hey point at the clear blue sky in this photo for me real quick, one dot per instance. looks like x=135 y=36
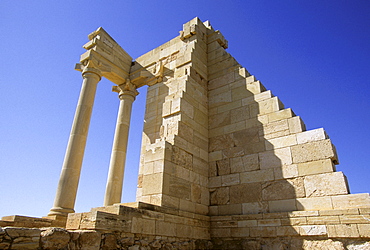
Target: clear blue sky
x=314 y=55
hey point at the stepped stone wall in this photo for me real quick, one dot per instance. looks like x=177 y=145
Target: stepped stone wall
x=224 y=165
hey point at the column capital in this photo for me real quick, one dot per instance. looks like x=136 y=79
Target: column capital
x=89 y=67
x=125 y=89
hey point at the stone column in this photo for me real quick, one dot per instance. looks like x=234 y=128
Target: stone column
x=67 y=188
x=127 y=93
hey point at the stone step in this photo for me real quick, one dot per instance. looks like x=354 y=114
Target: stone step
x=25 y=221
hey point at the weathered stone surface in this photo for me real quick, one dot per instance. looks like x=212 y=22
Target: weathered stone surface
x=255 y=207
x=315 y=230
x=313 y=151
x=90 y=239
x=223 y=167
x=245 y=193
x=263 y=175
x=325 y=184
x=323 y=244
x=351 y=201
x=315 y=167
x=244 y=163
x=220 y=196
x=314 y=203
x=283 y=189
x=54 y=238
x=275 y=158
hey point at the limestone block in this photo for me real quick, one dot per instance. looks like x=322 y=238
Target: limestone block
x=213 y=210
x=313 y=151
x=245 y=193
x=281 y=142
x=255 y=207
x=224 y=223
x=187 y=206
x=351 y=211
x=233 y=152
x=196 y=193
x=268 y=222
x=244 y=163
x=275 y=158
x=181 y=157
x=315 y=203
x=73 y=221
x=295 y=214
x=312 y=135
x=322 y=244
x=214 y=182
x=365 y=210
x=221 y=81
x=269 y=106
x=89 y=239
x=15 y=232
x=223 y=167
x=243 y=72
x=313 y=230
x=276 y=134
x=351 y=201
x=179 y=188
x=229 y=106
x=294 y=221
x=152 y=184
x=257 y=176
x=221 y=142
x=315 y=167
x=54 y=238
x=296 y=125
x=280 y=115
x=235 y=127
x=353 y=219
x=220 y=120
x=247 y=223
x=239 y=232
x=246 y=136
x=239 y=114
x=283 y=189
x=364 y=230
x=255 y=87
x=275 y=127
x=323 y=220
x=347 y=231
x=282 y=205
x=239 y=93
x=143 y=226
x=220 y=232
x=286 y=171
x=214 y=156
x=257 y=98
x=231 y=179
x=262 y=232
x=325 y=184
x=230 y=209
x=287 y=231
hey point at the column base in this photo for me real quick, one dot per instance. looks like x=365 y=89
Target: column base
x=59 y=211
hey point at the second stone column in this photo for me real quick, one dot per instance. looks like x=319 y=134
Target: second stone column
x=127 y=93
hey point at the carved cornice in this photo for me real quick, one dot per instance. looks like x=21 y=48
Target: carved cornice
x=106 y=56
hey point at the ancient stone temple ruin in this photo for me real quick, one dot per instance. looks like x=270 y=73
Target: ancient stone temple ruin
x=223 y=164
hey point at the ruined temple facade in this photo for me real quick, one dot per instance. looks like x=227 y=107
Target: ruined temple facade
x=223 y=164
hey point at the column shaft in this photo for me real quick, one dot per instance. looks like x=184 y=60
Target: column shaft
x=113 y=191
x=68 y=183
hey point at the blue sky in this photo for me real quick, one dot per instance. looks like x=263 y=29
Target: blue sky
x=313 y=55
